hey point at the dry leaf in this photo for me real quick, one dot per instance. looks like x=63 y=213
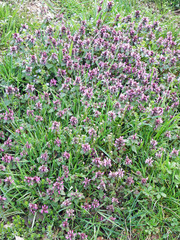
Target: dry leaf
x=8 y=225
x=19 y=238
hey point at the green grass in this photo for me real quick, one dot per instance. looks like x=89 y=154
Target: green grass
x=159 y=203
x=161 y=4
x=87 y=10
x=11 y=19
x=10 y=23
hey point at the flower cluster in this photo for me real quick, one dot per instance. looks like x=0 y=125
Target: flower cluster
x=90 y=128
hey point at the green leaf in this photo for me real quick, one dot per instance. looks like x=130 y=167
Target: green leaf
x=163 y=194
x=48 y=65
x=133 y=147
x=158 y=196
x=70 y=49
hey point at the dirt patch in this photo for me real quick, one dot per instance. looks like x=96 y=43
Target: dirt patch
x=38 y=9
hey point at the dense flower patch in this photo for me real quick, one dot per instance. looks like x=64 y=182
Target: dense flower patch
x=84 y=129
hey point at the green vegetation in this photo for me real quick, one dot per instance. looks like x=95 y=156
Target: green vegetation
x=90 y=121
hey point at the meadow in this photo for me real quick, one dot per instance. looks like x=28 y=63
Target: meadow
x=89 y=120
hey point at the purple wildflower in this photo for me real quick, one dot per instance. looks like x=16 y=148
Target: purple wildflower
x=66 y=203
x=119 y=143
x=57 y=142
x=55 y=126
x=30 y=88
x=149 y=161
x=174 y=153
x=144 y=181
x=33 y=208
x=70 y=235
x=128 y=161
x=65 y=224
x=86 y=147
x=2 y=168
x=53 y=82
x=109 y=6
x=130 y=181
x=7 y=158
x=95 y=203
x=9 y=115
x=82 y=236
x=70 y=212
x=73 y=121
x=43 y=169
x=86 y=182
x=44 y=209
x=66 y=155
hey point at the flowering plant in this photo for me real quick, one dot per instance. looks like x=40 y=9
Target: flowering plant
x=91 y=121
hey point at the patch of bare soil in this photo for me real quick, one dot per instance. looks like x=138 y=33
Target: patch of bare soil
x=34 y=8
x=38 y=9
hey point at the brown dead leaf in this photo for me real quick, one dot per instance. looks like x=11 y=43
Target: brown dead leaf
x=87 y=199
